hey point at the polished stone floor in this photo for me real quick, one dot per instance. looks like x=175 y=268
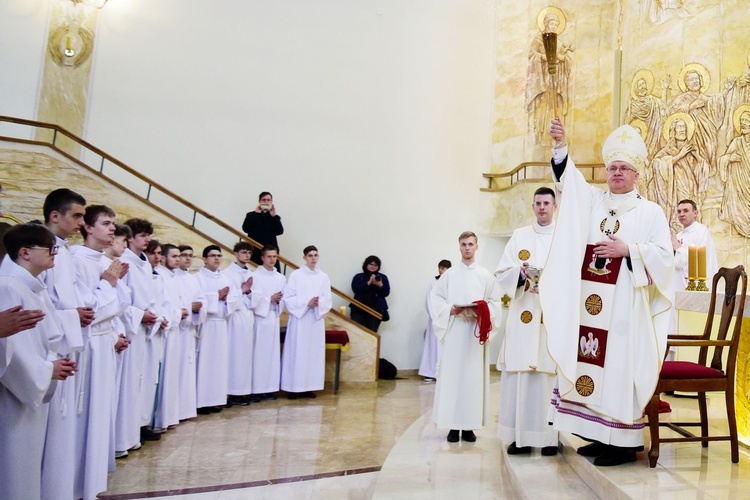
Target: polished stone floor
x=277 y=441
x=380 y=443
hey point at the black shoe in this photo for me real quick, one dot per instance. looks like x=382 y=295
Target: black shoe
x=309 y=394
x=215 y=409
x=241 y=400
x=468 y=436
x=204 y=410
x=594 y=449
x=615 y=456
x=148 y=435
x=293 y=395
x=271 y=396
x=515 y=450
x=255 y=398
x=453 y=436
x=549 y=451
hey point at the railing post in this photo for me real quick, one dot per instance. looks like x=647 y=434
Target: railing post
x=194 y=215
x=101 y=166
x=148 y=194
x=54 y=137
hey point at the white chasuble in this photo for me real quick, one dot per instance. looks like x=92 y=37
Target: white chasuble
x=606 y=402
x=528 y=370
x=462 y=390
x=304 y=356
x=524 y=347
x=267 y=345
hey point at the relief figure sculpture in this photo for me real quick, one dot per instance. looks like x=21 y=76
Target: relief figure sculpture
x=647 y=108
x=734 y=169
x=538 y=98
x=707 y=111
x=659 y=11
x=679 y=169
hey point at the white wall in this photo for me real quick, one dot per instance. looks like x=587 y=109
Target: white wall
x=367 y=119
x=23 y=28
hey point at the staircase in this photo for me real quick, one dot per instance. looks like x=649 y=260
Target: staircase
x=55 y=158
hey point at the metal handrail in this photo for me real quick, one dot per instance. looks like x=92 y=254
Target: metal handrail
x=151 y=185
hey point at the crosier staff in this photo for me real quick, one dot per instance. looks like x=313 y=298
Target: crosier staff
x=549 y=38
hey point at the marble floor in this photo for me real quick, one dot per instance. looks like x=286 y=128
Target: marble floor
x=380 y=443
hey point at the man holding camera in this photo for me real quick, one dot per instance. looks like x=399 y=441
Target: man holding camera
x=528 y=370
x=263 y=225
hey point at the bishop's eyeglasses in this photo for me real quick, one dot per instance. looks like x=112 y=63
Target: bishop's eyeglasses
x=622 y=170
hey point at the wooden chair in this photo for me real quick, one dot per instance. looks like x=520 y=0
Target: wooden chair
x=701 y=377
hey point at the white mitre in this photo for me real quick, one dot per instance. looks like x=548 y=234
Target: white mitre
x=625 y=144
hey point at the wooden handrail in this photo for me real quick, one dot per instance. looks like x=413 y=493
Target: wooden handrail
x=195 y=209
x=521 y=168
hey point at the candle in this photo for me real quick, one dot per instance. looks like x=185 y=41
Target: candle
x=692 y=262
x=342 y=310
x=68 y=43
x=702 y=263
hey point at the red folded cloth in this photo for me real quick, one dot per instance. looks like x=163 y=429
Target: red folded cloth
x=484 y=321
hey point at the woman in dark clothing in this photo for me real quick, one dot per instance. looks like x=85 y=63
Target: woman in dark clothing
x=370 y=287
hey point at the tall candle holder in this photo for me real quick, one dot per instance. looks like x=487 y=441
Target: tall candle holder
x=701 y=286
x=691 y=285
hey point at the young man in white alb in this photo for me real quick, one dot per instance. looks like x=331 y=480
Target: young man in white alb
x=529 y=373
x=268 y=289
x=307 y=297
x=465 y=293
x=97 y=280
x=27 y=383
x=213 y=344
x=240 y=325
x=189 y=332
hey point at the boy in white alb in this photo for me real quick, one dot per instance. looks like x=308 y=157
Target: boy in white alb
x=97 y=280
x=240 y=325
x=307 y=297
x=268 y=286
x=26 y=384
x=189 y=332
x=213 y=346
x=428 y=365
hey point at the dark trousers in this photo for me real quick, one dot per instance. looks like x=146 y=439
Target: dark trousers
x=365 y=319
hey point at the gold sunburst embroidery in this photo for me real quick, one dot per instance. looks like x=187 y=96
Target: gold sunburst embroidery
x=585 y=385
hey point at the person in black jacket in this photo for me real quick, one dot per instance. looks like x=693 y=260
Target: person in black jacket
x=263 y=225
x=370 y=287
